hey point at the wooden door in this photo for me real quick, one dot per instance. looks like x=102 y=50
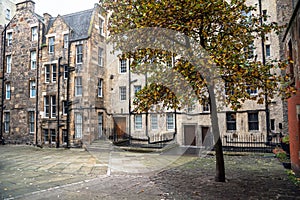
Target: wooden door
x=190 y=135
x=120 y=126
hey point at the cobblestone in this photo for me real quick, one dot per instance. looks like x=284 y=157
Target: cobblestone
x=33 y=173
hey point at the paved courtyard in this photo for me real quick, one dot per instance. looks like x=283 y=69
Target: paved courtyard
x=103 y=172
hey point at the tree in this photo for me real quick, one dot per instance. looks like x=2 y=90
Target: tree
x=225 y=30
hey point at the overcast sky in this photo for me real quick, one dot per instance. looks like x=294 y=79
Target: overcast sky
x=62 y=7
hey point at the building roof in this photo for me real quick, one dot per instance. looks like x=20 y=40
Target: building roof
x=78 y=22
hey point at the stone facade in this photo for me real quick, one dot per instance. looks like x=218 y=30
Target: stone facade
x=7 y=10
x=83 y=98
x=79 y=91
x=20 y=70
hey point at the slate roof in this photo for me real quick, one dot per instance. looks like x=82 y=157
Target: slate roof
x=79 y=23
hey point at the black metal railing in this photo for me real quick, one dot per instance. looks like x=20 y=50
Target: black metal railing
x=250 y=143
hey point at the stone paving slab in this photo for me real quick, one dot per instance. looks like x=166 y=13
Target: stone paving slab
x=33 y=173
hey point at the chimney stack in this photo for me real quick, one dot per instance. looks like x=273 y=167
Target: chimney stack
x=29 y=4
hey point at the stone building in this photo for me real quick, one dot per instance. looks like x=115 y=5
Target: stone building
x=22 y=44
x=191 y=125
x=63 y=87
x=292 y=47
x=75 y=40
x=7 y=10
x=54 y=74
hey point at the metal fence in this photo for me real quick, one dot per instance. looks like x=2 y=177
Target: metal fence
x=250 y=143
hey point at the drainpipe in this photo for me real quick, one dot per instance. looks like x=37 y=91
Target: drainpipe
x=58 y=102
x=264 y=63
x=129 y=101
x=68 y=94
x=2 y=90
x=37 y=86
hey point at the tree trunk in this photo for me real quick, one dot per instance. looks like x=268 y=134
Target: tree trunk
x=220 y=167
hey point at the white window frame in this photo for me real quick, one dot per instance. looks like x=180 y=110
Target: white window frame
x=79 y=54
x=66 y=72
x=9 y=38
x=7 y=91
x=47 y=73
x=51 y=41
x=100 y=87
x=138 y=122
x=78 y=125
x=66 y=41
x=7 y=122
x=46 y=106
x=53 y=106
x=154 y=121
x=8 y=14
x=101 y=26
x=170 y=121
x=123 y=93
x=8 y=64
x=32 y=88
x=53 y=136
x=78 y=86
x=34 y=33
x=31 y=121
x=54 y=73
x=33 y=59
x=123 y=66
x=100 y=56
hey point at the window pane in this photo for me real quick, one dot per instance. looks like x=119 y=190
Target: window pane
x=6 y=121
x=253 y=121
x=154 y=122
x=31 y=121
x=46 y=106
x=54 y=73
x=34 y=33
x=47 y=73
x=51 y=44
x=8 y=64
x=100 y=57
x=170 y=122
x=7 y=89
x=32 y=89
x=66 y=41
x=53 y=106
x=79 y=54
x=33 y=59
x=122 y=93
x=138 y=122
x=100 y=83
x=78 y=86
x=78 y=125
x=231 y=120
x=123 y=66
x=100 y=125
